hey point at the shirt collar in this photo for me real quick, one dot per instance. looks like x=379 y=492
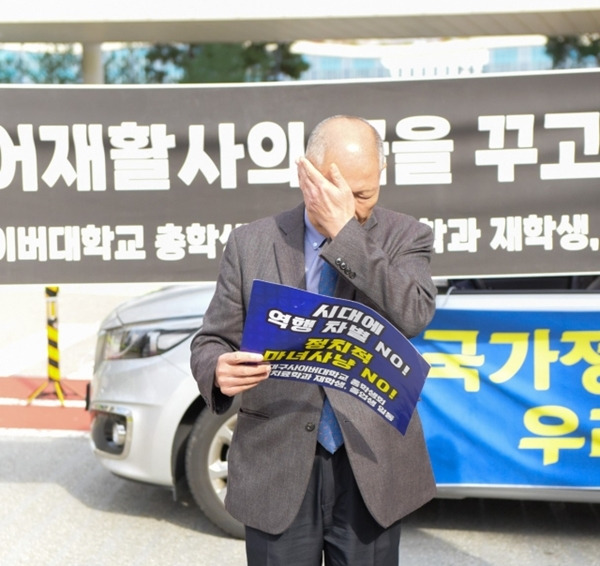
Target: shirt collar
x=312 y=236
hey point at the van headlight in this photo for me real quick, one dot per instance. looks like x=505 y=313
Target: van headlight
x=143 y=341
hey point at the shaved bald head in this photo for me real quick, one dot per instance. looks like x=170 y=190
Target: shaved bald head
x=344 y=134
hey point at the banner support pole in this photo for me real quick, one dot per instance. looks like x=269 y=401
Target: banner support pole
x=53 y=352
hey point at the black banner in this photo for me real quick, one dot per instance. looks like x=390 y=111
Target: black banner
x=135 y=184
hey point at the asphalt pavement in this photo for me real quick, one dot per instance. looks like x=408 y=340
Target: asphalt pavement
x=59 y=506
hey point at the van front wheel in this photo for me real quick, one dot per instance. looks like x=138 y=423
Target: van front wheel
x=206 y=466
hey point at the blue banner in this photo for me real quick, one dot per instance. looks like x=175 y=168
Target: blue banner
x=513 y=398
x=335 y=343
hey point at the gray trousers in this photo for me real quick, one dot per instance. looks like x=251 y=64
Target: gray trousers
x=332 y=527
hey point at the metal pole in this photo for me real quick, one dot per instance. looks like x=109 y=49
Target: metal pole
x=53 y=351
x=91 y=63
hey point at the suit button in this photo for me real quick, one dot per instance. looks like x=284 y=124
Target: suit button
x=310 y=427
x=338 y=261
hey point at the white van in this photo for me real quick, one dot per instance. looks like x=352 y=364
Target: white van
x=510 y=407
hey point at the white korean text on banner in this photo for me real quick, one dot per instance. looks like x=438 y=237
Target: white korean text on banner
x=124 y=184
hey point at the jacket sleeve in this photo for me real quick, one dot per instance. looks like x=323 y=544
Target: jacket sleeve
x=389 y=266
x=221 y=328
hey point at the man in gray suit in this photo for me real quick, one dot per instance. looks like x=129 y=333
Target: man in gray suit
x=299 y=500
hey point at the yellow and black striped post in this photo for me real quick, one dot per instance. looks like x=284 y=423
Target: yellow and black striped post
x=53 y=351
x=52 y=329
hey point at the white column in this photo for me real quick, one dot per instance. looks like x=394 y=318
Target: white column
x=91 y=63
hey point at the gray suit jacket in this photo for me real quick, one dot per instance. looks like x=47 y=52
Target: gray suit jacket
x=383 y=264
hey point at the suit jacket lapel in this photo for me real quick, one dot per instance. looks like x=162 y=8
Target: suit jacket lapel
x=289 y=247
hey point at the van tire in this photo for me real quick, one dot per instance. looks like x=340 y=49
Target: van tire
x=206 y=467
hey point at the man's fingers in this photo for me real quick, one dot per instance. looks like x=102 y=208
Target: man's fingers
x=242 y=364
x=310 y=174
x=232 y=385
x=252 y=370
x=239 y=371
x=328 y=198
x=337 y=177
x=240 y=357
